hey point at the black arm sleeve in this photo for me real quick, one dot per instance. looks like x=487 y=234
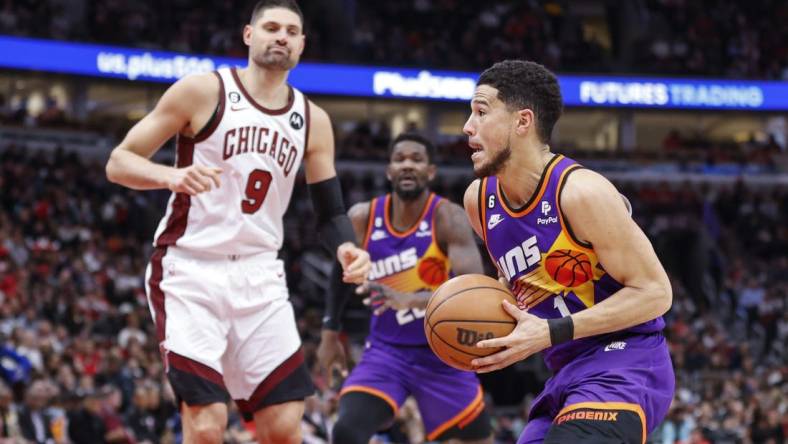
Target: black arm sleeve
x=333 y=224
x=338 y=294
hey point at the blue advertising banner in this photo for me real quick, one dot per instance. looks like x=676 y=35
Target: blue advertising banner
x=136 y=64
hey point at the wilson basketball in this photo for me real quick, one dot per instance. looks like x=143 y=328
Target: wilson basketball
x=463 y=311
x=432 y=271
x=569 y=268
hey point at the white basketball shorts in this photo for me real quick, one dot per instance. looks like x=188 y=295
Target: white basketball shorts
x=225 y=326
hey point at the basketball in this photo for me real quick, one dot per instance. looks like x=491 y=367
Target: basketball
x=463 y=311
x=432 y=271
x=569 y=268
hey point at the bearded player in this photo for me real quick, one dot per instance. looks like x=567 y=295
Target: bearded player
x=416 y=240
x=590 y=290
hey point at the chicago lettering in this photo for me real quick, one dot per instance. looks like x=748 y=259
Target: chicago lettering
x=262 y=141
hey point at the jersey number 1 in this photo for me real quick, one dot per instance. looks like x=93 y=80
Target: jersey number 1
x=256 y=190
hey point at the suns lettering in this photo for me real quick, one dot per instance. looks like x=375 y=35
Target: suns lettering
x=260 y=140
x=395 y=263
x=519 y=258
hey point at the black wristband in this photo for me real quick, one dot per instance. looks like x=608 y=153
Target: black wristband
x=336 y=232
x=561 y=330
x=334 y=226
x=336 y=298
x=332 y=324
x=331 y=320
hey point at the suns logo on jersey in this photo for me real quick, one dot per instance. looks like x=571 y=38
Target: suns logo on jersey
x=562 y=270
x=395 y=263
x=519 y=258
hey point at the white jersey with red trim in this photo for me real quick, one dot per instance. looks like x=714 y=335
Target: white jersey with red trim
x=259 y=151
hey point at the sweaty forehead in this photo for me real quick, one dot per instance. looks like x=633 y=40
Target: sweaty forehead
x=485 y=94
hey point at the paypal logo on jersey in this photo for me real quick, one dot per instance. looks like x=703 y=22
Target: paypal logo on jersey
x=546 y=208
x=424 y=229
x=394 y=264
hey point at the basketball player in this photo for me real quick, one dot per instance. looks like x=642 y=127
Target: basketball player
x=417 y=240
x=590 y=290
x=215 y=286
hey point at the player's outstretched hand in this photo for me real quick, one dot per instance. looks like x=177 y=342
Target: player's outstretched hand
x=382 y=297
x=194 y=179
x=531 y=335
x=355 y=263
x=331 y=356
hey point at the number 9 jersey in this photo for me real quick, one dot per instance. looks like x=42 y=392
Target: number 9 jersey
x=259 y=151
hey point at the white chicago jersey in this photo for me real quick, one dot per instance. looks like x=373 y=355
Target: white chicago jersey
x=259 y=151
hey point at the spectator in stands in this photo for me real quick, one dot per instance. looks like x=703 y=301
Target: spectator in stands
x=14 y=368
x=140 y=419
x=34 y=422
x=10 y=431
x=110 y=413
x=85 y=425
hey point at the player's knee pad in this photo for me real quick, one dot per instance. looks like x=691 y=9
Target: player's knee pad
x=597 y=426
x=346 y=432
x=360 y=416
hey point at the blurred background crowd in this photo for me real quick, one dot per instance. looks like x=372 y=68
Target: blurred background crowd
x=78 y=358
x=728 y=38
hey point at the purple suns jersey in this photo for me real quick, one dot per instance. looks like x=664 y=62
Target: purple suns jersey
x=551 y=273
x=408 y=261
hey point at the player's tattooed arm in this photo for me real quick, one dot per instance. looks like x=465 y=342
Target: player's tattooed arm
x=185 y=108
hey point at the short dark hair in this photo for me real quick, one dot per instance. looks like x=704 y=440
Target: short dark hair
x=262 y=5
x=523 y=84
x=414 y=137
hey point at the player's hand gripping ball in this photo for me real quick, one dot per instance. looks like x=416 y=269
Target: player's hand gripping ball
x=463 y=311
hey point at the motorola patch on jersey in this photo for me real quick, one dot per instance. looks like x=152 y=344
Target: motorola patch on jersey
x=296 y=120
x=234 y=97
